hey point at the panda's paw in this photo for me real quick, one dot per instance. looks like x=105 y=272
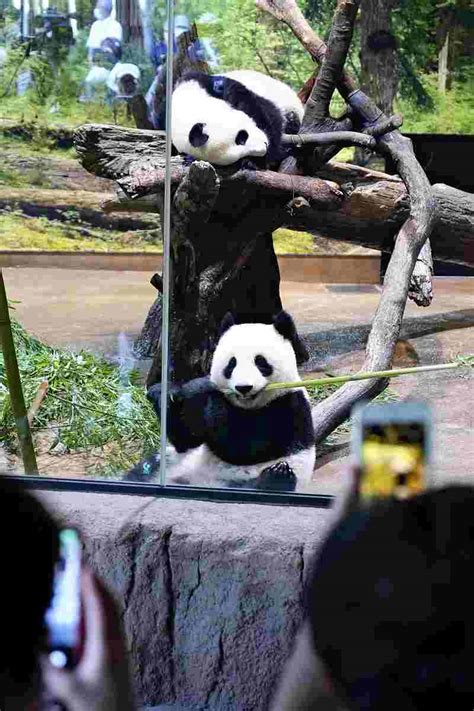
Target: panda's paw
x=277 y=477
x=154 y=393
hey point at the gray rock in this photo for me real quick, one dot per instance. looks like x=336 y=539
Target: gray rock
x=211 y=593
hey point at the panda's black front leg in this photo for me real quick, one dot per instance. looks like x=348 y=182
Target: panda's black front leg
x=277 y=477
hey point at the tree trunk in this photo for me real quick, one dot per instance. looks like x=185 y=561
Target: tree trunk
x=203 y=289
x=378 y=53
x=378 y=59
x=443 y=65
x=446 y=22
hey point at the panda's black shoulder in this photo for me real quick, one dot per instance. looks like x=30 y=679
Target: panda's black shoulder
x=204 y=80
x=263 y=111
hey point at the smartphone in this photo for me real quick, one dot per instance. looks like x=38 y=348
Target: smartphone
x=63 y=617
x=392 y=445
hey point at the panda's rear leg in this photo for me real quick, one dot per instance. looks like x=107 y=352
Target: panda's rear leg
x=277 y=477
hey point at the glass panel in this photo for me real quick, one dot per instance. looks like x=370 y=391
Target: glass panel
x=77 y=277
x=245 y=240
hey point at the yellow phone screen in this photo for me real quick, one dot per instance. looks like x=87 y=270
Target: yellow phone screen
x=393 y=460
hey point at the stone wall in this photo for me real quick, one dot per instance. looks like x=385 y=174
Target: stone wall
x=211 y=593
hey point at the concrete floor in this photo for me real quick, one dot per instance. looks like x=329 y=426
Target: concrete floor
x=89 y=309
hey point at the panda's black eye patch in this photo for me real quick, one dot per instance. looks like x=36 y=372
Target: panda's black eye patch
x=229 y=368
x=197 y=137
x=241 y=138
x=263 y=365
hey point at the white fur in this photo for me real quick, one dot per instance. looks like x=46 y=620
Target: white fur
x=272 y=89
x=192 y=104
x=247 y=341
x=200 y=467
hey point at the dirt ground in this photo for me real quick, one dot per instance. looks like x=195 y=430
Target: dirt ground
x=89 y=309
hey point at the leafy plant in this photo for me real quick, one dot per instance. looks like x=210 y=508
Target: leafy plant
x=92 y=403
x=450 y=113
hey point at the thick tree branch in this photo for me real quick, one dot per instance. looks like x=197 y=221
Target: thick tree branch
x=385 y=125
x=332 y=66
x=346 y=138
x=287 y=11
x=321 y=194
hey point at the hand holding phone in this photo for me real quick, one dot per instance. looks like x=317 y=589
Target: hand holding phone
x=63 y=618
x=392 y=445
x=100 y=680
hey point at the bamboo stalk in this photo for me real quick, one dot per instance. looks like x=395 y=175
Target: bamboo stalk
x=14 y=385
x=339 y=379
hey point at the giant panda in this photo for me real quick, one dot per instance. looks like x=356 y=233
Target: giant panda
x=226 y=429
x=239 y=115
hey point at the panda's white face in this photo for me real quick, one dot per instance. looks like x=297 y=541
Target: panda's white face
x=210 y=129
x=247 y=358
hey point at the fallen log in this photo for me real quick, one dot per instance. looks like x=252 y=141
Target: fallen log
x=60 y=135
x=71 y=206
x=368 y=207
x=370 y=215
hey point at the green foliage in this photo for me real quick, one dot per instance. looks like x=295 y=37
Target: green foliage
x=91 y=402
x=247 y=38
x=53 y=97
x=291 y=242
x=450 y=113
x=22 y=233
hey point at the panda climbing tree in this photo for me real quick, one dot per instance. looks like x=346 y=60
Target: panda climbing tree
x=266 y=166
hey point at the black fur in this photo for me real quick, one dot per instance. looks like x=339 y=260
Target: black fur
x=278 y=477
x=197 y=137
x=229 y=369
x=263 y=365
x=199 y=413
x=263 y=112
x=227 y=322
x=285 y=325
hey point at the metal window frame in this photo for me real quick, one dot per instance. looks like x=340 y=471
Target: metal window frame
x=196 y=493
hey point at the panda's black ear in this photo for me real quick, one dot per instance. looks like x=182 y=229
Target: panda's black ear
x=226 y=323
x=285 y=326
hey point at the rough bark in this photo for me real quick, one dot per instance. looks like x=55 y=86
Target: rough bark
x=373 y=209
x=204 y=289
x=372 y=214
x=378 y=53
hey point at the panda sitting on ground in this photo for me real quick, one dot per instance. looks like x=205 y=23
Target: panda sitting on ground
x=239 y=115
x=226 y=429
